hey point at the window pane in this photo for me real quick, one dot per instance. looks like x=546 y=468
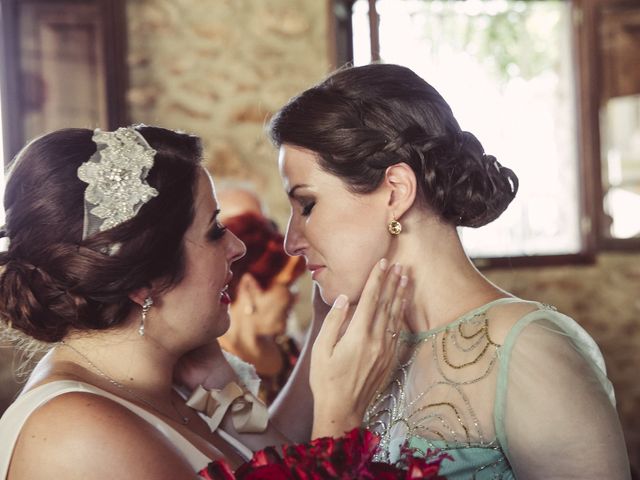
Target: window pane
x=620 y=131
x=505 y=67
x=360 y=25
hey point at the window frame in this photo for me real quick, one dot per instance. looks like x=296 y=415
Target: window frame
x=586 y=25
x=114 y=29
x=12 y=133
x=587 y=67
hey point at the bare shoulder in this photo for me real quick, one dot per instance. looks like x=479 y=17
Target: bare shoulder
x=81 y=435
x=502 y=318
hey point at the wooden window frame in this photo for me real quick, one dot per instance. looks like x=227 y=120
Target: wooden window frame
x=587 y=15
x=113 y=27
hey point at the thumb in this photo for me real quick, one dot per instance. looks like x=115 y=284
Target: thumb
x=332 y=325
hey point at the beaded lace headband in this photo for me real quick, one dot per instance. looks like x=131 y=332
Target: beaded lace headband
x=116 y=177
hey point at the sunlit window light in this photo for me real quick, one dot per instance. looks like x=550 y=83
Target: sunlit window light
x=506 y=69
x=620 y=130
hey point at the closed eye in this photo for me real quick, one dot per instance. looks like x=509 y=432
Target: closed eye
x=216 y=232
x=306 y=208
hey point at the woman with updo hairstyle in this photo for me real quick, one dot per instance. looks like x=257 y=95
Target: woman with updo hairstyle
x=62 y=282
x=261 y=302
x=119 y=267
x=375 y=164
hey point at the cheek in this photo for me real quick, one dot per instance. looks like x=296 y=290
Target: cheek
x=212 y=268
x=353 y=256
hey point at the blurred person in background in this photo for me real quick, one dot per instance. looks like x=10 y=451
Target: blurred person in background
x=261 y=291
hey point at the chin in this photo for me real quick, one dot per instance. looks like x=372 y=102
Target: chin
x=329 y=295
x=221 y=324
x=279 y=330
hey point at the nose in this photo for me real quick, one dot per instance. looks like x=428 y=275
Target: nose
x=294 y=242
x=237 y=248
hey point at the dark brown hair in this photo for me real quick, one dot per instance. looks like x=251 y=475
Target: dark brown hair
x=52 y=280
x=361 y=120
x=265 y=258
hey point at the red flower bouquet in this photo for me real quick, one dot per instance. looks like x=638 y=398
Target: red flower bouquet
x=348 y=457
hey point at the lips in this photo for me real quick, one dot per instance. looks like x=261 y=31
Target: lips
x=315 y=270
x=225 y=299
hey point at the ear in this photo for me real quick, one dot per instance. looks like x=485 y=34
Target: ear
x=401 y=182
x=138 y=296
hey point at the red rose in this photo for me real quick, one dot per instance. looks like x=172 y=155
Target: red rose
x=346 y=458
x=217 y=471
x=384 y=471
x=266 y=472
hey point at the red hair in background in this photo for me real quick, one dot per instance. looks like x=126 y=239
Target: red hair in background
x=266 y=259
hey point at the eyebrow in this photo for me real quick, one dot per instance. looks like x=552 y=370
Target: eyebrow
x=291 y=193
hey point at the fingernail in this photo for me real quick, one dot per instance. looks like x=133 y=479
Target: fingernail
x=397 y=268
x=383 y=264
x=341 y=301
x=404 y=281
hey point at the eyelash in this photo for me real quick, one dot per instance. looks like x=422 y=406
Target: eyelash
x=306 y=208
x=217 y=232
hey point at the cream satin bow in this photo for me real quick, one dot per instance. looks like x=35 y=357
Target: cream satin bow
x=249 y=414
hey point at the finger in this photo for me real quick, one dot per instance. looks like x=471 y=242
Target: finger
x=399 y=303
x=364 y=314
x=332 y=325
x=388 y=294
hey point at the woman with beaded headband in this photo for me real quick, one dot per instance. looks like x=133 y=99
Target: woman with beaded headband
x=375 y=164
x=117 y=260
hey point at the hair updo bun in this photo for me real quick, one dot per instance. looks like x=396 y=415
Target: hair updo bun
x=35 y=303
x=468 y=187
x=53 y=281
x=362 y=120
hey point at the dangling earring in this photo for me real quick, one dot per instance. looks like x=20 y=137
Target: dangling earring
x=395 y=227
x=146 y=306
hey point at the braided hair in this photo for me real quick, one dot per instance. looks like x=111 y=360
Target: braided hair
x=362 y=120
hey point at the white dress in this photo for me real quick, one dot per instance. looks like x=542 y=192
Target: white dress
x=17 y=414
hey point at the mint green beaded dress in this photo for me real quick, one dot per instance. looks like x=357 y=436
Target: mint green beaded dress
x=506 y=397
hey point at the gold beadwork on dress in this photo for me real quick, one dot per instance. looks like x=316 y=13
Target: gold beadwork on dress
x=442 y=400
x=482 y=334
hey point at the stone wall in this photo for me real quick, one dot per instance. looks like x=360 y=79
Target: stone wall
x=220 y=68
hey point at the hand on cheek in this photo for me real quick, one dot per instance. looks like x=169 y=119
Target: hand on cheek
x=351 y=359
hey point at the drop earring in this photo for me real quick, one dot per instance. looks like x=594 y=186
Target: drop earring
x=146 y=306
x=394 y=227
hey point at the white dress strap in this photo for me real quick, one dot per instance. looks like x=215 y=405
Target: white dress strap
x=17 y=414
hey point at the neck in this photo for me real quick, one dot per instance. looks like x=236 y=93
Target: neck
x=137 y=363
x=445 y=284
